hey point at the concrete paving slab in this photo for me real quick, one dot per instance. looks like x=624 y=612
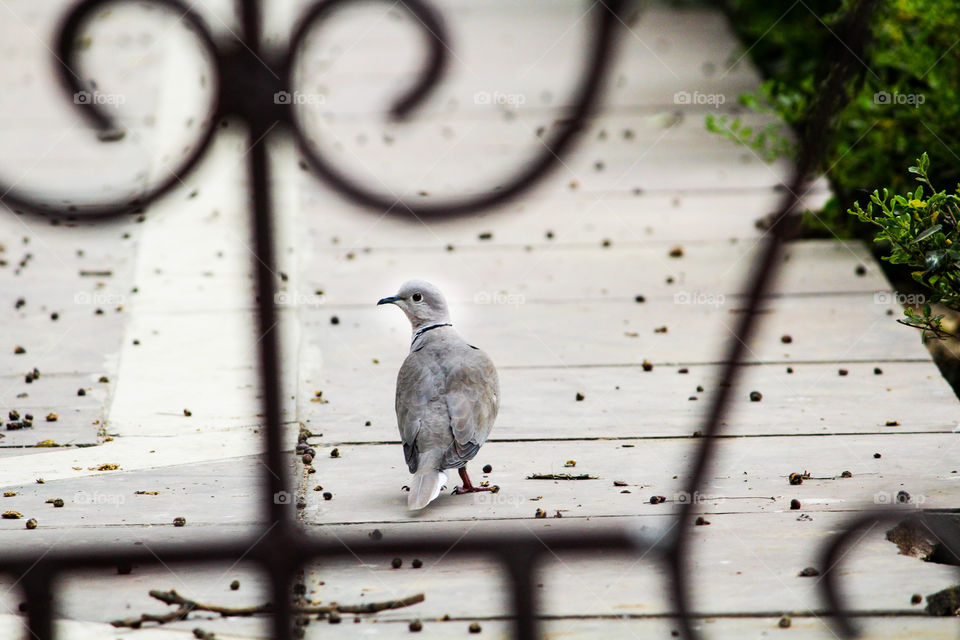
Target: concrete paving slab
x=618 y=401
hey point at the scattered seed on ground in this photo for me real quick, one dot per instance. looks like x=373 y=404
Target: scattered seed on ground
x=235 y=585
x=31 y=523
x=417 y=563
x=416 y=625
x=794 y=504
x=784 y=622
x=809 y=572
x=756 y=396
x=179 y=521
x=487 y=468
x=580 y=397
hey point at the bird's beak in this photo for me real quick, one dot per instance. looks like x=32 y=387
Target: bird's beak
x=389 y=300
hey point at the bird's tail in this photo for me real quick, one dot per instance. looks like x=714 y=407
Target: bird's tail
x=425 y=487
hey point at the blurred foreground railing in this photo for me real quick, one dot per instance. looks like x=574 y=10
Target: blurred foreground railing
x=248 y=76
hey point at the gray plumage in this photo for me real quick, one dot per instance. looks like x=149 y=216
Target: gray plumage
x=448 y=393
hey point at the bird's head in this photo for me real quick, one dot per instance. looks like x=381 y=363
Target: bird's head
x=422 y=302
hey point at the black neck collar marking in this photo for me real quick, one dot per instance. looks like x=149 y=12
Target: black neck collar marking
x=425 y=329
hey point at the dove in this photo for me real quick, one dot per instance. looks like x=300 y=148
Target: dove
x=448 y=395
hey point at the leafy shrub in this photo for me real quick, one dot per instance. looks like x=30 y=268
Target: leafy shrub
x=923 y=234
x=903 y=102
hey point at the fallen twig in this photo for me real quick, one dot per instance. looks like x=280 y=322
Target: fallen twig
x=185 y=606
x=560 y=476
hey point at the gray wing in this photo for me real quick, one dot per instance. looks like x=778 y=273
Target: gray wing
x=472 y=397
x=420 y=407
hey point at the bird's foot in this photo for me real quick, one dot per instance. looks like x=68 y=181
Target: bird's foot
x=473 y=489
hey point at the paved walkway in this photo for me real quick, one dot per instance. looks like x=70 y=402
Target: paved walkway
x=548 y=287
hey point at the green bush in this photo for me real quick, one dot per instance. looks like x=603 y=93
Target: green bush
x=904 y=102
x=923 y=234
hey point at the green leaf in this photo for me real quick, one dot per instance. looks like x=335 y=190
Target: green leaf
x=927 y=233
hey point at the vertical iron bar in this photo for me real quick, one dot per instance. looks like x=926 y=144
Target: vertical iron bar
x=36 y=587
x=264 y=262
x=521 y=568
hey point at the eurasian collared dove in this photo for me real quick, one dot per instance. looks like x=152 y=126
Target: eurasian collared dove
x=448 y=395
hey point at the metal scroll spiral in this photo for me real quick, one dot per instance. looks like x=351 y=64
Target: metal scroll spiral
x=247 y=75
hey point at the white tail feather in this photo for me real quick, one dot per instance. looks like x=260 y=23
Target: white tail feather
x=425 y=487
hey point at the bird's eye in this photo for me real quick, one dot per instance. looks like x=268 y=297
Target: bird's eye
x=416 y=297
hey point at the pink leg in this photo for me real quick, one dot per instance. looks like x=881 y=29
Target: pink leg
x=468 y=486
